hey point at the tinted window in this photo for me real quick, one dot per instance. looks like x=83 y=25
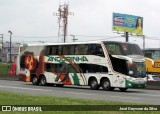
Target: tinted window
x=49 y=67
x=96 y=49
x=92 y=68
x=118 y=48
x=76 y=50
x=65 y=50
x=51 y=50
x=82 y=49
x=131 y=49
x=71 y=49
x=114 y=48
x=60 y=48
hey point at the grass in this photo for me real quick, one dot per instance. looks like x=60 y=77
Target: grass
x=8 y=98
x=4 y=68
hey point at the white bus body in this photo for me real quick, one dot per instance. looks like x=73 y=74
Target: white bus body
x=86 y=63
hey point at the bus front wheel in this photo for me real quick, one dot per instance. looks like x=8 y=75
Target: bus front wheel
x=106 y=85
x=94 y=84
x=35 y=80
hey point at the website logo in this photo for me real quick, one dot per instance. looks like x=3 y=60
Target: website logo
x=6 y=108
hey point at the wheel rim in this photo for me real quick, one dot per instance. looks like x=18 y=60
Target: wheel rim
x=106 y=84
x=93 y=84
x=43 y=81
x=34 y=80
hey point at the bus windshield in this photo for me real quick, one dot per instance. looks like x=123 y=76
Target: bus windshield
x=137 y=69
x=117 y=48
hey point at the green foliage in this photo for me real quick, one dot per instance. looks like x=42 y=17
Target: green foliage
x=4 y=68
x=8 y=98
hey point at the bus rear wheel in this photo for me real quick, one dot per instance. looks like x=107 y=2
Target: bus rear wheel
x=35 y=80
x=106 y=85
x=43 y=81
x=94 y=84
x=123 y=89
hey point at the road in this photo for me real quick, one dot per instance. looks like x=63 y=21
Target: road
x=141 y=96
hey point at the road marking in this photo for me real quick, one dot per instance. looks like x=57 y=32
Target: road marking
x=125 y=97
x=13 y=87
x=80 y=93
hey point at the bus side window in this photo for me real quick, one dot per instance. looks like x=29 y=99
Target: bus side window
x=83 y=49
x=60 y=48
x=92 y=68
x=51 y=50
x=71 y=49
x=100 y=51
x=83 y=68
x=49 y=67
x=65 y=50
x=96 y=49
x=76 y=50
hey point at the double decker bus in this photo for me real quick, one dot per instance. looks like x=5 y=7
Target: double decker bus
x=105 y=64
x=154 y=54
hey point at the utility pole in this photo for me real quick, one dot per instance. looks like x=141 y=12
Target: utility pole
x=143 y=42
x=63 y=21
x=1 y=40
x=127 y=37
x=74 y=39
x=10 y=45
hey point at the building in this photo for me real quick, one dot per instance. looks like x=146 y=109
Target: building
x=5 y=52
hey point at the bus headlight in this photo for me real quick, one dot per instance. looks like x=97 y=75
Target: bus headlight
x=130 y=84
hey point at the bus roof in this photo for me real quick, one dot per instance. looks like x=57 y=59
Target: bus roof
x=90 y=42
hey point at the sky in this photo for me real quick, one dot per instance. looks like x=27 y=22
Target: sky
x=35 y=20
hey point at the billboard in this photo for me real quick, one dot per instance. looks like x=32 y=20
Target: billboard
x=127 y=23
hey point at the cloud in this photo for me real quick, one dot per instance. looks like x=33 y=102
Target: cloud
x=91 y=17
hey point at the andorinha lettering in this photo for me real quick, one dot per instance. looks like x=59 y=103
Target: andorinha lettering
x=74 y=59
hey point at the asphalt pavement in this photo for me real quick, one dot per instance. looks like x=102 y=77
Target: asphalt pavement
x=142 y=96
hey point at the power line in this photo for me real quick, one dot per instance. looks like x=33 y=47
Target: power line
x=33 y=36
x=103 y=39
x=95 y=36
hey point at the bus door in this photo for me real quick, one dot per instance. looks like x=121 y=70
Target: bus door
x=121 y=68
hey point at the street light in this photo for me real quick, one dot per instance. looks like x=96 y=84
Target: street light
x=74 y=39
x=10 y=45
